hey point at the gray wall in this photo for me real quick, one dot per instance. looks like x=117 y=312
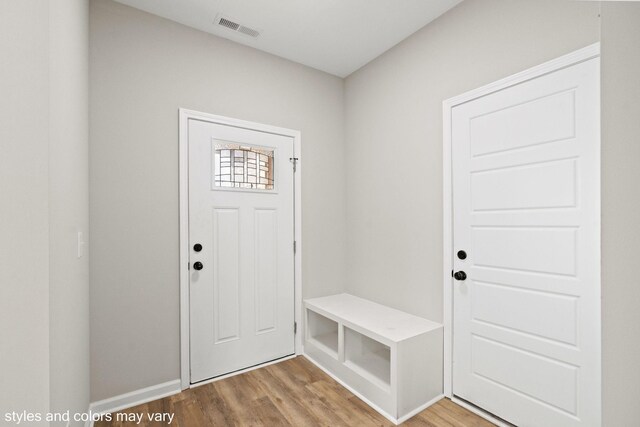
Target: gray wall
x=142 y=69
x=620 y=212
x=24 y=206
x=44 y=187
x=69 y=205
x=394 y=129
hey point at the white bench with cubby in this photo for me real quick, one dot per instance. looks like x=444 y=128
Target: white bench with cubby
x=392 y=360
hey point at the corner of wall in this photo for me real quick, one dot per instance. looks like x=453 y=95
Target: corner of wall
x=69 y=204
x=620 y=38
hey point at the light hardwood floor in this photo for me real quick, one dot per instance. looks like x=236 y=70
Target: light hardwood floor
x=290 y=393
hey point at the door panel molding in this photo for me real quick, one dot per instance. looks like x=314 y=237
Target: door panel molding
x=560 y=201
x=184 y=116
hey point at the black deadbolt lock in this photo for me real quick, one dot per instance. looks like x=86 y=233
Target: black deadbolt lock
x=197 y=247
x=462 y=255
x=197 y=266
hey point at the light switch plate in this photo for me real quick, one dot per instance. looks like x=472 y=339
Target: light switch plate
x=80 y=244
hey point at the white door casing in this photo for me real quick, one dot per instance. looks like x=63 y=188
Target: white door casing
x=241 y=303
x=525 y=176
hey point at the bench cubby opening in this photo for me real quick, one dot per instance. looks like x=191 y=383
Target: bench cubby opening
x=368 y=357
x=323 y=332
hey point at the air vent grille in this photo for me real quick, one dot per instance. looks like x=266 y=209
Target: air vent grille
x=232 y=25
x=248 y=31
x=229 y=24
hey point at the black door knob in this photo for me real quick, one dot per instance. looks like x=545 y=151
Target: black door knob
x=462 y=255
x=460 y=275
x=198 y=266
x=197 y=247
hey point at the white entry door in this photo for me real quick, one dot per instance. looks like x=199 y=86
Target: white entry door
x=241 y=232
x=526 y=201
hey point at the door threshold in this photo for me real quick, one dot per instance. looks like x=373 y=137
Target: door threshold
x=242 y=371
x=481 y=412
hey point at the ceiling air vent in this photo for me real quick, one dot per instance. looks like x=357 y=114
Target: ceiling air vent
x=229 y=24
x=248 y=31
x=232 y=25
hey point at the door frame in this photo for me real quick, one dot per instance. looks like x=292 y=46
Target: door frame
x=581 y=55
x=184 y=116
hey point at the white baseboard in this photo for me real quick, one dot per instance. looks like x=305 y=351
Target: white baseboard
x=134 y=398
x=420 y=409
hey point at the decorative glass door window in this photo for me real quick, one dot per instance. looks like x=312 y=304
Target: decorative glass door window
x=242 y=166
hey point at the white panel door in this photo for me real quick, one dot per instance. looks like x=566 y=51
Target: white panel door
x=241 y=248
x=526 y=199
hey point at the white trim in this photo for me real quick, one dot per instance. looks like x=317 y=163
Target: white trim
x=135 y=398
x=447 y=248
x=185 y=371
x=581 y=55
x=381 y=411
x=184 y=116
x=420 y=409
x=297 y=235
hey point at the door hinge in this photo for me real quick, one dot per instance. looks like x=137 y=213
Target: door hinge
x=294 y=160
x=295 y=246
x=295 y=328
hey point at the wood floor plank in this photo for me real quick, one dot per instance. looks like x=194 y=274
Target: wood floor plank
x=374 y=418
x=457 y=411
x=305 y=367
x=452 y=419
x=152 y=408
x=298 y=380
x=102 y=423
x=268 y=414
x=190 y=413
x=290 y=393
x=285 y=398
x=321 y=410
x=430 y=416
x=168 y=407
x=214 y=406
x=236 y=401
x=421 y=422
x=336 y=403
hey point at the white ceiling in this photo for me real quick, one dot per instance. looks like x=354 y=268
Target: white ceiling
x=336 y=36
